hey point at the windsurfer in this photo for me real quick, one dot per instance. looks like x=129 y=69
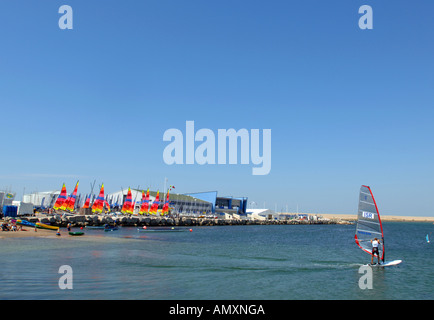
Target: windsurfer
x=375 y=243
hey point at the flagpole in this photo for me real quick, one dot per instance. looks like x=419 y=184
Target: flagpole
x=164 y=190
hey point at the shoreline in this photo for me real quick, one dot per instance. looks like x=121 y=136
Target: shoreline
x=353 y=217
x=29 y=232
x=159 y=222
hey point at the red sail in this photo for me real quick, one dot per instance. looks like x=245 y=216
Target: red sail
x=145 y=202
x=87 y=202
x=98 y=204
x=155 y=204
x=60 y=199
x=166 y=204
x=69 y=204
x=128 y=204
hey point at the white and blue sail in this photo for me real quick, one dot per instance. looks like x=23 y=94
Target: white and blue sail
x=368 y=223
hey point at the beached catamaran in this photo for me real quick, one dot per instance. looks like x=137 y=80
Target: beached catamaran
x=166 y=204
x=87 y=202
x=69 y=204
x=60 y=199
x=128 y=204
x=98 y=204
x=369 y=225
x=155 y=204
x=144 y=208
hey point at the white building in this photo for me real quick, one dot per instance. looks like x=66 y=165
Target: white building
x=261 y=214
x=23 y=207
x=41 y=199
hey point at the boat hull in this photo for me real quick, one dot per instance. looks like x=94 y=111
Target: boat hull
x=45 y=226
x=77 y=233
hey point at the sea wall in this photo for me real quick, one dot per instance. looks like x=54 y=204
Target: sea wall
x=134 y=221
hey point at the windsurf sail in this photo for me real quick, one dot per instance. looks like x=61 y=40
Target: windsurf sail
x=427 y=238
x=98 y=204
x=128 y=204
x=60 y=199
x=368 y=223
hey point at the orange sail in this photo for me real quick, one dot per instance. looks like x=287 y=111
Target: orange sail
x=98 y=204
x=69 y=204
x=166 y=204
x=128 y=204
x=144 y=208
x=87 y=202
x=107 y=206
x=60 y=199
x=155 y=204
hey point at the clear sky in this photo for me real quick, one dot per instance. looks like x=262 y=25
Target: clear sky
x=346 y=106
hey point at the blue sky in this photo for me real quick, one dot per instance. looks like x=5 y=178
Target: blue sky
x=346 y=106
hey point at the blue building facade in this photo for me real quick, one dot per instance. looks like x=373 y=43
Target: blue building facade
x=223 y=204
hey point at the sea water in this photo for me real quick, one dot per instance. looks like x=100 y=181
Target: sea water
x=273 y=262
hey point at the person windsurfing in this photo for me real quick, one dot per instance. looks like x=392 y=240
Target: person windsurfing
x=375 y=243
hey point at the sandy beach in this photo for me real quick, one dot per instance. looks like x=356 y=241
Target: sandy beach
x=28 y=232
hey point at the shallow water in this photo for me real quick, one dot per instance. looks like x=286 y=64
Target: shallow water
x=222 y=262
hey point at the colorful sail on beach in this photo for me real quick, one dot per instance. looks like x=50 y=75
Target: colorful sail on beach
x=128 y=204
x=155 y=204
x=166 y=204
x=144 y=208
x=69 y=204
x=107 y=206
x=86 y=202
x=60 y=199
x=98 y=204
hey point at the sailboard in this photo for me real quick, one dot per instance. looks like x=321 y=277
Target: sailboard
x=427 y=238
x=369 y=226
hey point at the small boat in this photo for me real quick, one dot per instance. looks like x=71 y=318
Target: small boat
x=110 y=228
x=45 y=226
x=26 y=223
x=76 y=233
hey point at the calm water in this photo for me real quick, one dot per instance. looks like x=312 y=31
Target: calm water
x=233 y=262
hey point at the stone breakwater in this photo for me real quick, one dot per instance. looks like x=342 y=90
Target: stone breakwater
x=134 y=221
